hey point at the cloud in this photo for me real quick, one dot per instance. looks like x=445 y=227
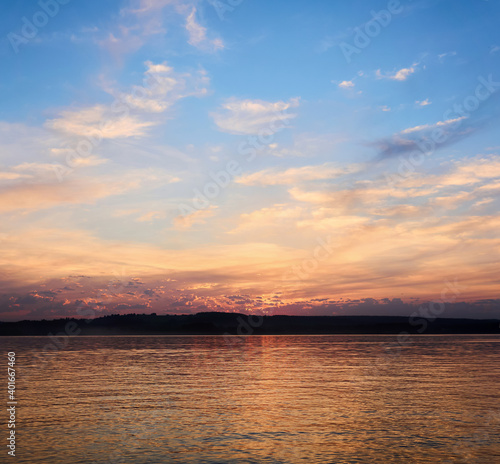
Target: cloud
x=420 y=194
x=89 y=161
x=400 y=75
x=185 y=222
x=292 y=176
x=38 y=171
x=402 y=211
x=384 y=241
x=346 y=84
x=67 y=252
x=445 y=55
x=305 y=144
x=253 y=116
x=99 y=122
x=151 y=6
x=448 y=122
x=415 y=236
x=425 y=102
x=361 y=195
x=13 y=176
x=164 y=88
x=130 y=115
x=465 y=172
x=413 y=138
x=34 y=197
x=148 y=21
x=44 y=191
x=198 y=35
x=268 y=219
x=21 y=142
x=139 y=23
x=151 y=216
x=136 y=25
x=326 y=220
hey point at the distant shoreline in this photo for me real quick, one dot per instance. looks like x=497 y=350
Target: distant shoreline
x=217 y=323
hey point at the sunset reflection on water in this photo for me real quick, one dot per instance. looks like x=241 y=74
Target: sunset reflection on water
x=260 y=399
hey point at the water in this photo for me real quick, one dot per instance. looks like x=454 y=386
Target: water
x=261 y=399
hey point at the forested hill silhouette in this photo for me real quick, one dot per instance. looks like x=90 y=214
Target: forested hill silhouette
x=214 y=323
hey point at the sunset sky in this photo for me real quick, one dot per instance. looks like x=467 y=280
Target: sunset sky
x=282 y=157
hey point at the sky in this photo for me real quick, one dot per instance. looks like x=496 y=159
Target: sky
x=286 y=157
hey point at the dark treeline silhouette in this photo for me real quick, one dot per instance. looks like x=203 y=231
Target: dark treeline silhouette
x=214 y=323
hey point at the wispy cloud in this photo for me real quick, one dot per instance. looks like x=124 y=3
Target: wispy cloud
x=400 y=75
x=425 y=102
x=292 y=176
x=446 y=55
x=185 y=222
x=252 y=116
x=423 y=127
x=268 y=219
x=198 y=34
x=41 y=190
x=131 y=113
x=143 y=21
x=99 y=121
x=85 y=162
x=151 y=216
x=306 y=144
x=151 y=6
x=165 y=87
x=409 y=139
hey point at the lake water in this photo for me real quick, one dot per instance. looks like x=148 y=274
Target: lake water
x=258 y=399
